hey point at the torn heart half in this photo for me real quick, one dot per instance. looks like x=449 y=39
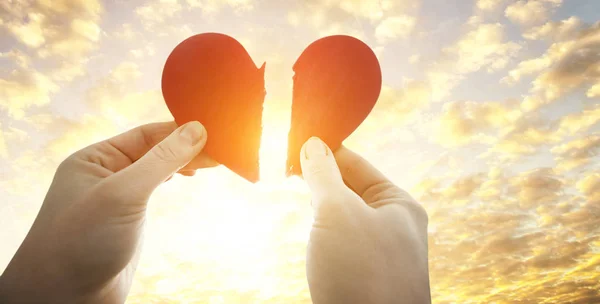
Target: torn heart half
x=211 y=78
x=337 y=82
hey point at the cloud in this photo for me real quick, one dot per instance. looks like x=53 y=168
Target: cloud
x=394 y=107
x=484 y=46
x=501 y=241
x=466 y=122
x=535 y=65
x=566 y=66
x=156 y=12
x=578 y=123
x=18 y=57
x=24 y=88
x=63 y=29
x=577 y=67
x=30 y=33
x=126 y=32
x=555 y=30
x=373 y=10
x=3 y=146
x=536 y=187
x=212 y=6
x=594 y=91
x=77 y=135
x=117 y=98
x=576 y=153
x=395 y=27
x=590 y=186
x=489 y=5
x=524 y=137
x=402 y=103
x=462 y=188
x=391 y=19
x=531 y=12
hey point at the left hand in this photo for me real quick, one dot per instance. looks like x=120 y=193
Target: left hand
x=85 y=242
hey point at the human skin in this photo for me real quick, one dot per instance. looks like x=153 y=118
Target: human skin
x=84 y=244
x=368 y=243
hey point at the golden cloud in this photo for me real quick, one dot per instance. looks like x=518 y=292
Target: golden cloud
x=524 y=137
x=391 y=19
x=155 y=13
x=394 y=108
x=576 y=153
x=531 y=66
x=579 y=122
x=536 y=187
x=579 y=65
x=211 y=6
x=65 y=29
x=590 y=186
x=24 y=88
x=3 y=146
x=594 y=91
x=568 y=63
x=497 y=247
x=483 y=47
x=555 y=30
x=394 y=27
x=466 y=122
x=18 y=57
x=489 y=5
x=116 y=98
x=528 y=12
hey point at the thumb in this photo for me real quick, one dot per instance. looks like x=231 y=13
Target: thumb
x=320 y=170
x=164 y=159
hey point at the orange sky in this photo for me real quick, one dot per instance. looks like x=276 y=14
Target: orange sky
x=489 y=115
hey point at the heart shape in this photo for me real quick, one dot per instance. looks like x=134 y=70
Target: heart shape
x=336 y=84
x=211 y=78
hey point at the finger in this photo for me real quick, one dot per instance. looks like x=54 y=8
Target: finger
x=332 y=201
x=163 y=160
x=124 y=149
x=319 y=168
x=201 y=161
x=136 y=142
x=363 y=178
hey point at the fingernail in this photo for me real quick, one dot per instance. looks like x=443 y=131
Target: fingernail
x=192 y=131
x=187 y=172
x=315 y=147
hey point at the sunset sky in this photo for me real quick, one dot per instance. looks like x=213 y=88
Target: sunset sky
x=489 y=115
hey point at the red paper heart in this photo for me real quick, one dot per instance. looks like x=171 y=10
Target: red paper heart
x=211 y=78
x=336 y=84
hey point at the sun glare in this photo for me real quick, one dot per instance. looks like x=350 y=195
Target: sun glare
x=273 y=145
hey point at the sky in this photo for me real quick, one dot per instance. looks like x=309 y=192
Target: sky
x=489 y=116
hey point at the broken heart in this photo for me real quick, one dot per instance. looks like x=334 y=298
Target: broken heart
x=211 y=78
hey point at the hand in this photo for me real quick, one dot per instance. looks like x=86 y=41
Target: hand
x=368 y=243
x=85 y=242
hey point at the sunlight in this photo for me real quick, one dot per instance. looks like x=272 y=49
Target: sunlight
x=273 y=145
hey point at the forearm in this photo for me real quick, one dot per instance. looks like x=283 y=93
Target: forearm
x=34 y=275
x=24 y=282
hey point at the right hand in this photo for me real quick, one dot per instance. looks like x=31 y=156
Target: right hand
x=368 y=242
